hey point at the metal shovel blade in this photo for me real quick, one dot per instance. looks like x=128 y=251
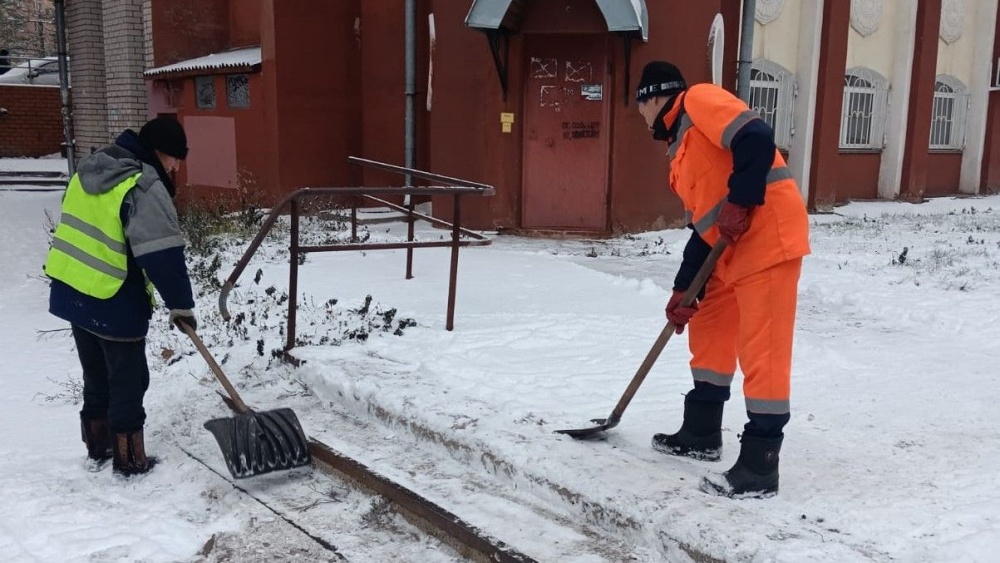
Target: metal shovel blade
x=260 y=442
x=592 y=432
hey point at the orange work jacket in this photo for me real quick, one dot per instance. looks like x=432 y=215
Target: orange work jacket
x=700 y=165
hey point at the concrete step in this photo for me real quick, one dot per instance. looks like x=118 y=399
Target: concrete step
x=32 y=179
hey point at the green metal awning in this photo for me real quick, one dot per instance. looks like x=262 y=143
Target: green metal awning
x=622 y=16
x=626 y=16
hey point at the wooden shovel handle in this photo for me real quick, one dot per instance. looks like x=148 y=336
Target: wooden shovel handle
x=661 y=341
x=216 y=369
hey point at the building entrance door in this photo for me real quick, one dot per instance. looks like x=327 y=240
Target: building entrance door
x=565 y=174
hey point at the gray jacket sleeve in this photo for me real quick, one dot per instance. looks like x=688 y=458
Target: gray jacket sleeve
x=154 y=236
x=152 y=219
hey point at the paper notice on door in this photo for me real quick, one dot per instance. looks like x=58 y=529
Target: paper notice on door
x=592 y=92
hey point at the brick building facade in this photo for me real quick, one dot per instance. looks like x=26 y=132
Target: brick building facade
x=27 y=28
x=110 y=46
x=30 y=124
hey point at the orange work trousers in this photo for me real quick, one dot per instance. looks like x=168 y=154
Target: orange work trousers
x=751 y=320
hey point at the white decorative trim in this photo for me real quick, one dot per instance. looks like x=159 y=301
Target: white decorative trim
x=866 y=16
x=716 y=47
x=768 y=10
x=952 y=20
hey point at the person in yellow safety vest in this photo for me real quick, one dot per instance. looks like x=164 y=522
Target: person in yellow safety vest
x=735 y=186
x=117 y=237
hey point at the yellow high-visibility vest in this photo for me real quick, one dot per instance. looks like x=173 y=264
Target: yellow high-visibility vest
x=88 y=251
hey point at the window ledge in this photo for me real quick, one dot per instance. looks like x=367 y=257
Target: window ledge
x=859 y=151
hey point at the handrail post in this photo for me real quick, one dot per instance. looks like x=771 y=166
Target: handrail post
x=456 y=231
x=293 y=273
x=354 y=220
x=409 y=238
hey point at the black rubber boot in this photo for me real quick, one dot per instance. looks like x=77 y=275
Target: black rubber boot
x=700 y=436
x=755 y=474
x=130 y=454
x=96 y=435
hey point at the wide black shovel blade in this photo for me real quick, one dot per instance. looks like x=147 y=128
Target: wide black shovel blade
x=592 y=432
x=260 y=442
x=647 y=363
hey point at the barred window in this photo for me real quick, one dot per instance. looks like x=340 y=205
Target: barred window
x=951 y=102
x=772 y=89
x=862 y=122
x=238 y=90
x=204 y=90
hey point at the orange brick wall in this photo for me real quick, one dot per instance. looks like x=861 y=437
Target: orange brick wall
x=32 y=125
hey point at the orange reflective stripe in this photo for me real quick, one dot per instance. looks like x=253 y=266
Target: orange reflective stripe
x=707 y=221
x=700 y=167
x=752 y=320
x=735 y=125
x=717 y=113
x=779 y=174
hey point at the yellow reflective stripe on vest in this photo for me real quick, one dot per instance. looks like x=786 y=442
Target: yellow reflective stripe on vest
x=88 y=250
x=93 y=232
x=88 y=260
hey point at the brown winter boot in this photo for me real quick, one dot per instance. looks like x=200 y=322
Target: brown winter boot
x=97 y=435
x=130 y=454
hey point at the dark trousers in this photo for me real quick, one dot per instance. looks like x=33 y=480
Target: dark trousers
x=115 y=379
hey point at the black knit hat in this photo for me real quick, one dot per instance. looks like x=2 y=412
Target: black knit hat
x=659 y=78
x=166 y=135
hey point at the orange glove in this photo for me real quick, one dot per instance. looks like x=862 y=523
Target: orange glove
x=733 y=221
x=677 y=314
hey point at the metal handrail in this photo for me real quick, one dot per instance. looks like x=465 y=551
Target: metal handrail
x=292 y=202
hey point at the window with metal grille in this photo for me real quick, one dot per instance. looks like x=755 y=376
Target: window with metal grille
x=771 y=93
x=862 y=121
x=948 y=114
x=204 y=90
x=238 y=90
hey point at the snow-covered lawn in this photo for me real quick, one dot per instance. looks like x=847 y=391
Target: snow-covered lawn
x=891 y=454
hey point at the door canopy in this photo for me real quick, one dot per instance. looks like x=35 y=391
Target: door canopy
x=499 y=19
x=622 y=16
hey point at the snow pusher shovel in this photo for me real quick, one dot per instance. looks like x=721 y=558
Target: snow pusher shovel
x=689 y=296
x=253 y=442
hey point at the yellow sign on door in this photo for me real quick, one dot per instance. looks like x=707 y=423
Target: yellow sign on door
x=506 y=122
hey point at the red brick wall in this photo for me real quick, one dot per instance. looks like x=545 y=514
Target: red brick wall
x=32 y=125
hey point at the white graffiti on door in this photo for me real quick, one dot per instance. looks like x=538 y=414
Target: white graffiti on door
x=544 y=68
x=551 y=96
x=579 y=71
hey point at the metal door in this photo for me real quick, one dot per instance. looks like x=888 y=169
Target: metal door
x=565 y=175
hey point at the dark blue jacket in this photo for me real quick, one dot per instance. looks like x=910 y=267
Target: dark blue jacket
x=154 y=241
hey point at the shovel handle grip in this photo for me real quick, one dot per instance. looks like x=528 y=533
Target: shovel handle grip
x=216 y=369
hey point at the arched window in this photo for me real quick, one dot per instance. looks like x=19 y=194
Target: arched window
x=951 y=103
x=862 y=121
x=772 y=89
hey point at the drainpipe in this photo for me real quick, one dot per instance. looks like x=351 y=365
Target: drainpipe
x=411 y=123
x=746 y=50
x=67 y=118
x=411 y=86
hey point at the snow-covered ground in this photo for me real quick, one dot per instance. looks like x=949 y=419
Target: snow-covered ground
x=891 y=454
x=51 y=163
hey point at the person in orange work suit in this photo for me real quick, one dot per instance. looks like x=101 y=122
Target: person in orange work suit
x=736 y=187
